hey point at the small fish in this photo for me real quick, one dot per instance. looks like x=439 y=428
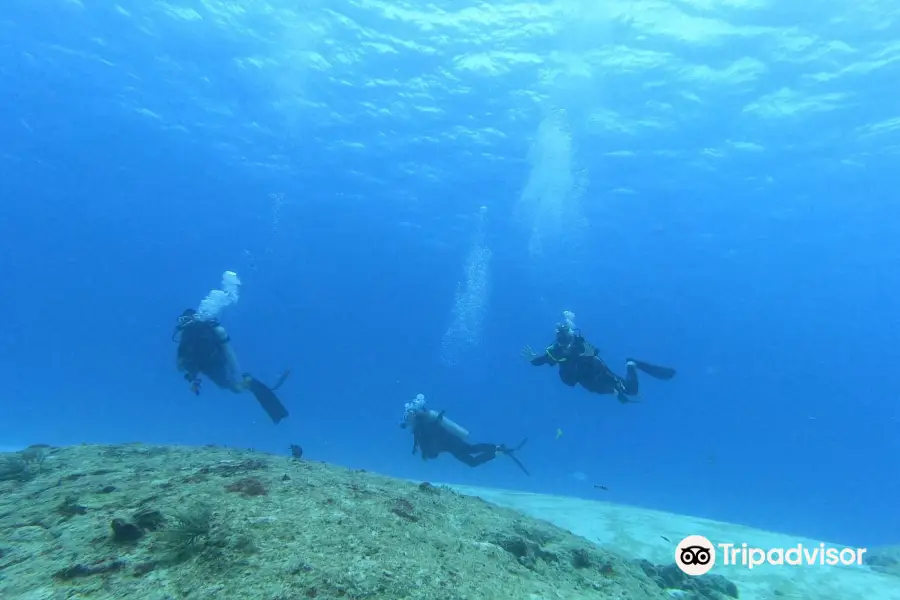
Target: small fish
x=665 y=538
x=601 y=487
x=558 y=433
x=296 y=451
x=195 y=386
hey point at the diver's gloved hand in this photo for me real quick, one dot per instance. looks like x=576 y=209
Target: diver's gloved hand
x=528 y=353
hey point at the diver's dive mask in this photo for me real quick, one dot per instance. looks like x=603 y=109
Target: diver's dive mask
x=186 y=318
x=564 y=335
x=411 y=408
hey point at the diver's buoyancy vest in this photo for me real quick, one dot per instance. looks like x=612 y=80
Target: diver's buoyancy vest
x=200 y=344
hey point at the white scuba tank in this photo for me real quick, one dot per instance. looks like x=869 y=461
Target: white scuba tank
x=418 y=404
x=448 y=425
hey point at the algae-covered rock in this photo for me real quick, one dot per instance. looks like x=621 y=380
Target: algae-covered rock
x=884 y=560
x=172 y=523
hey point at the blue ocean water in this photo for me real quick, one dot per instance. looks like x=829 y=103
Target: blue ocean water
x=706 y=184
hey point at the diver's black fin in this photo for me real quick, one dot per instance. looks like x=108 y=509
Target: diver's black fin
x=281 y=380
x=626 y=399
x=267 y=399
x=511 y=454
x=655 y=371
x=519 y=463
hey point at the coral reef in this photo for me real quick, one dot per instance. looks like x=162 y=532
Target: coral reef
x=24 y=465
x=170 y=523
x=884 y=560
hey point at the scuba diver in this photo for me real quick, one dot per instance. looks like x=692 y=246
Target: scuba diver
x=205 y=348
x=579 y=363
x=434 y=434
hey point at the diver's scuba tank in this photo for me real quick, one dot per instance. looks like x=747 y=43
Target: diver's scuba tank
x=418 y=405
x=449 y=425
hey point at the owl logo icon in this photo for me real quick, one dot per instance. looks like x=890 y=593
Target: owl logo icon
x=695 y=555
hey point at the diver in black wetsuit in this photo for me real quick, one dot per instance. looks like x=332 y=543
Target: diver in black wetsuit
x=579 y=363
x=433 y=435
x=205 y=348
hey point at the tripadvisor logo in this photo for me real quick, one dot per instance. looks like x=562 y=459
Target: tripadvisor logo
x=696 y=555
